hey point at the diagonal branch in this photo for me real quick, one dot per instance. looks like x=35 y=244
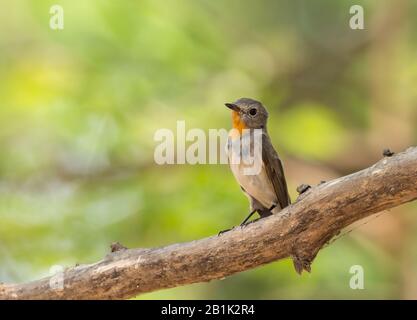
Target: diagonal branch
x=299 y=231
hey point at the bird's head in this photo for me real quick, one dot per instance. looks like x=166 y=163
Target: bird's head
x=248 y=114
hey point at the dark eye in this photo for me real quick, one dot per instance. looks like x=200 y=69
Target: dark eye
x=253 y=111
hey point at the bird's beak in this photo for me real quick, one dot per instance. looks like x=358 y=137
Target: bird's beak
x=232 y=106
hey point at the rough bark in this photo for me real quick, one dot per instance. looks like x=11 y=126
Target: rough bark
x=299 y=231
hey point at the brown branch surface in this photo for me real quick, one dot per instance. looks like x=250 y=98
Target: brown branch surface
x=299 y=232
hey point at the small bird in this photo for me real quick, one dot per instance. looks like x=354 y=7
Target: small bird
x=267 y=190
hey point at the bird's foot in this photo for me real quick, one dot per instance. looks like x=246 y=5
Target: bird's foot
x=244 y=224
x=224 y=231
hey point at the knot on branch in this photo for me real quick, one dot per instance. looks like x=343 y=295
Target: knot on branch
x=117 y=246
x=387 y=153
x=301 y=263
x=302 y=188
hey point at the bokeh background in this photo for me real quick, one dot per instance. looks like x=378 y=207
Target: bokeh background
x=79 y=108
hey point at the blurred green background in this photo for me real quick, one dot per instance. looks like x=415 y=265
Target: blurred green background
x=79 y=108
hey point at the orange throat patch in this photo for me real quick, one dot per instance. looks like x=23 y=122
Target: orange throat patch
x=238 y=122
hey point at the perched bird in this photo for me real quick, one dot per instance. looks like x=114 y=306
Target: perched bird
x=267 y=189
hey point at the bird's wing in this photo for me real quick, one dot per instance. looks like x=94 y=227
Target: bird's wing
x=275 y=171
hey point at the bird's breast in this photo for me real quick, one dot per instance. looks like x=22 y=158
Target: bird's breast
x=256 y=185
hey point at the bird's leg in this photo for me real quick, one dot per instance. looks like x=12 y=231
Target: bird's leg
x=248 y=217
x=262 y=213
x=242 y=224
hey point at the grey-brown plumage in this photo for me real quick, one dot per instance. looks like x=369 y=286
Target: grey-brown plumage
x=275 y=171
x=267 y=191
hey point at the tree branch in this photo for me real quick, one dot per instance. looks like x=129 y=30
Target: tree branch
x=299 y=231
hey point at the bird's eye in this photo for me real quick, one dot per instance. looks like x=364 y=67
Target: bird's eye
x=253 y=111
